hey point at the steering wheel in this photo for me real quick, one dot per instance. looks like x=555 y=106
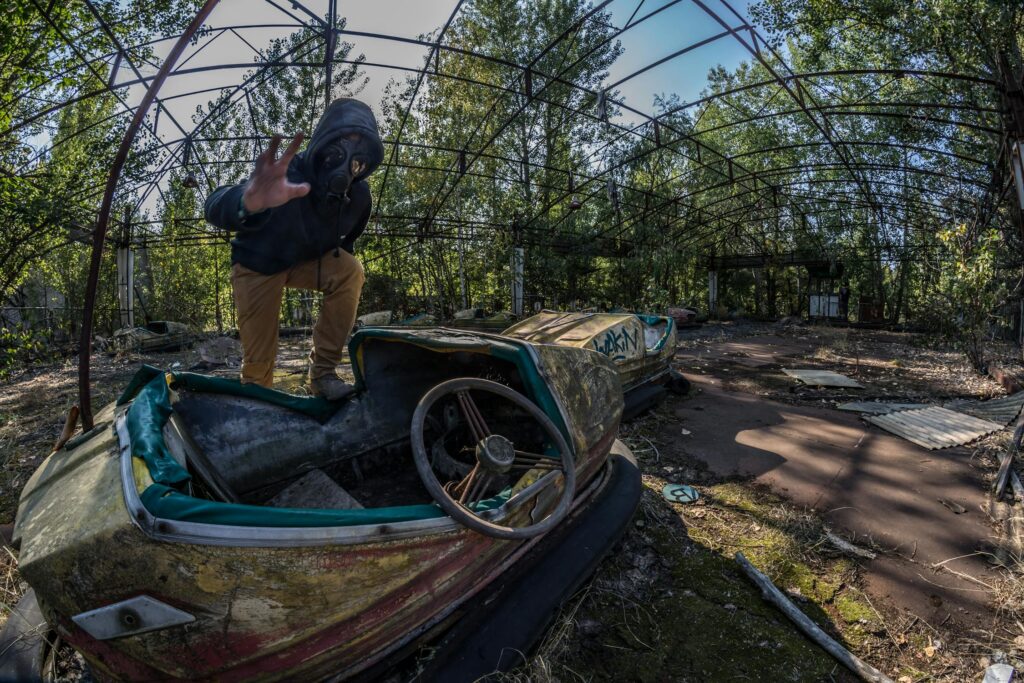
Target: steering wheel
x=497 y=460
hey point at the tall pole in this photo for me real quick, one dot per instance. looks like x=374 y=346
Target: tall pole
x=462 y=270
x=126 y=273
x=518 y=262
x=103 y=218
x=329 y=39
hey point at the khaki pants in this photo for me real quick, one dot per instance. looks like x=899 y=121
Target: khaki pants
x=258 y=306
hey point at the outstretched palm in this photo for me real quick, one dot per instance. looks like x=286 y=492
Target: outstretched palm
x=268 y=186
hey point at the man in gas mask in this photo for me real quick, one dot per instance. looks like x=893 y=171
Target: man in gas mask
x=296 y=220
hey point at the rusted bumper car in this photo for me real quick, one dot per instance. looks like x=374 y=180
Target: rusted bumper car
x=158 y=335
x=375 y=319
x=640 y=346
x=206 y=529
x=475 y=319
x=684 y=317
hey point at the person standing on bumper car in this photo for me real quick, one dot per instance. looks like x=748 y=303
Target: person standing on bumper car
x=296 y=220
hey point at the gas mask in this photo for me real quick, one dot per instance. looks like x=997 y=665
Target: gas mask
x=337 y=165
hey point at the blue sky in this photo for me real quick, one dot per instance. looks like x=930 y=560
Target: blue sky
x=671 y=30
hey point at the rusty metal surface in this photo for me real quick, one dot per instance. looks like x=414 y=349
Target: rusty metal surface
x=589 y=387
x=621 y=337
x=935 y=427
x=262 y=613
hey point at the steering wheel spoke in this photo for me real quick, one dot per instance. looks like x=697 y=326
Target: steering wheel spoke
x=463 y=486
x=479 y=489
x=498 y=462
x=532 y=461
x=472 y=415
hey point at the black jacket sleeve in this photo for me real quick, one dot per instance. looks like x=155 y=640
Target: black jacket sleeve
x=349 y=240
x=222 y=210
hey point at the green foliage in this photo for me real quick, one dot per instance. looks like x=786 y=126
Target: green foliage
x=19 y=347
x=56 y=159
x=965 y=302
x=606 y=215
x=180 y=281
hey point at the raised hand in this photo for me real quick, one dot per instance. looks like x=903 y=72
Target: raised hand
x=268 y=186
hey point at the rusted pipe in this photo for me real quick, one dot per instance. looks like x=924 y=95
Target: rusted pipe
x=85 y=344
x=70 y=422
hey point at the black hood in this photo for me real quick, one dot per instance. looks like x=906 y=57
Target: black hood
x=345 y=115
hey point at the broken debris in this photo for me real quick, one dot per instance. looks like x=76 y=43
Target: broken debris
x=221 y=351
x=934 y=427
x=957 y=508
x=822 y=378
x=998 y=673
x=877 y=407
x=1003 y=410
x=849 y=548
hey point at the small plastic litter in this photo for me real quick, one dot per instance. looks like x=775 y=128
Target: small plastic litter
x=957 y=508
x=847 y=547
x=686 y=432
x=999 y=673
x=680 y=493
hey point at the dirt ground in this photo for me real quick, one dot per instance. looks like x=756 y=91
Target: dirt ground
x=781 y=474
x=780 y=470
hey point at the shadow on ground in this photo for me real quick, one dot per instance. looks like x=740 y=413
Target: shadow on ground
x=877 y=489
x=666 y=607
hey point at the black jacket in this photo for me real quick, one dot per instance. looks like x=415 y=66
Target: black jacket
x=279 y=238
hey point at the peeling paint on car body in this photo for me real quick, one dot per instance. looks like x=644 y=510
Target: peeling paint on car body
x=641 y=347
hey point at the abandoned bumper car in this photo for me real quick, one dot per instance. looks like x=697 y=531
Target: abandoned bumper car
x=209 y=529
x=641 y=346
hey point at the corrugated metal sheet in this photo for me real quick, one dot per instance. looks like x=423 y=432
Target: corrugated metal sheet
x=1003 y=410
x=878 y=408
x=935 y=427
x=822 y=378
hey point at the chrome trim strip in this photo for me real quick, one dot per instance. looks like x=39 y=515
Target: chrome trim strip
x=130 y=617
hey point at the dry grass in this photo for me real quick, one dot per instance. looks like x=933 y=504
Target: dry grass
x=11 y=585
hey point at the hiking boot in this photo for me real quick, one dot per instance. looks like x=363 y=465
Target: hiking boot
x=331 y=387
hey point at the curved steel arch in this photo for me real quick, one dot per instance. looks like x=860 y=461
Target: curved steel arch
x=755 y=188
x=85 y=343
x=726 y=183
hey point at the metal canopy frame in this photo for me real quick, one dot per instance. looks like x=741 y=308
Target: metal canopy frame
x=952 y=171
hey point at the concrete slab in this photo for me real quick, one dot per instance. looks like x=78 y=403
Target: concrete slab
x=873 y=485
